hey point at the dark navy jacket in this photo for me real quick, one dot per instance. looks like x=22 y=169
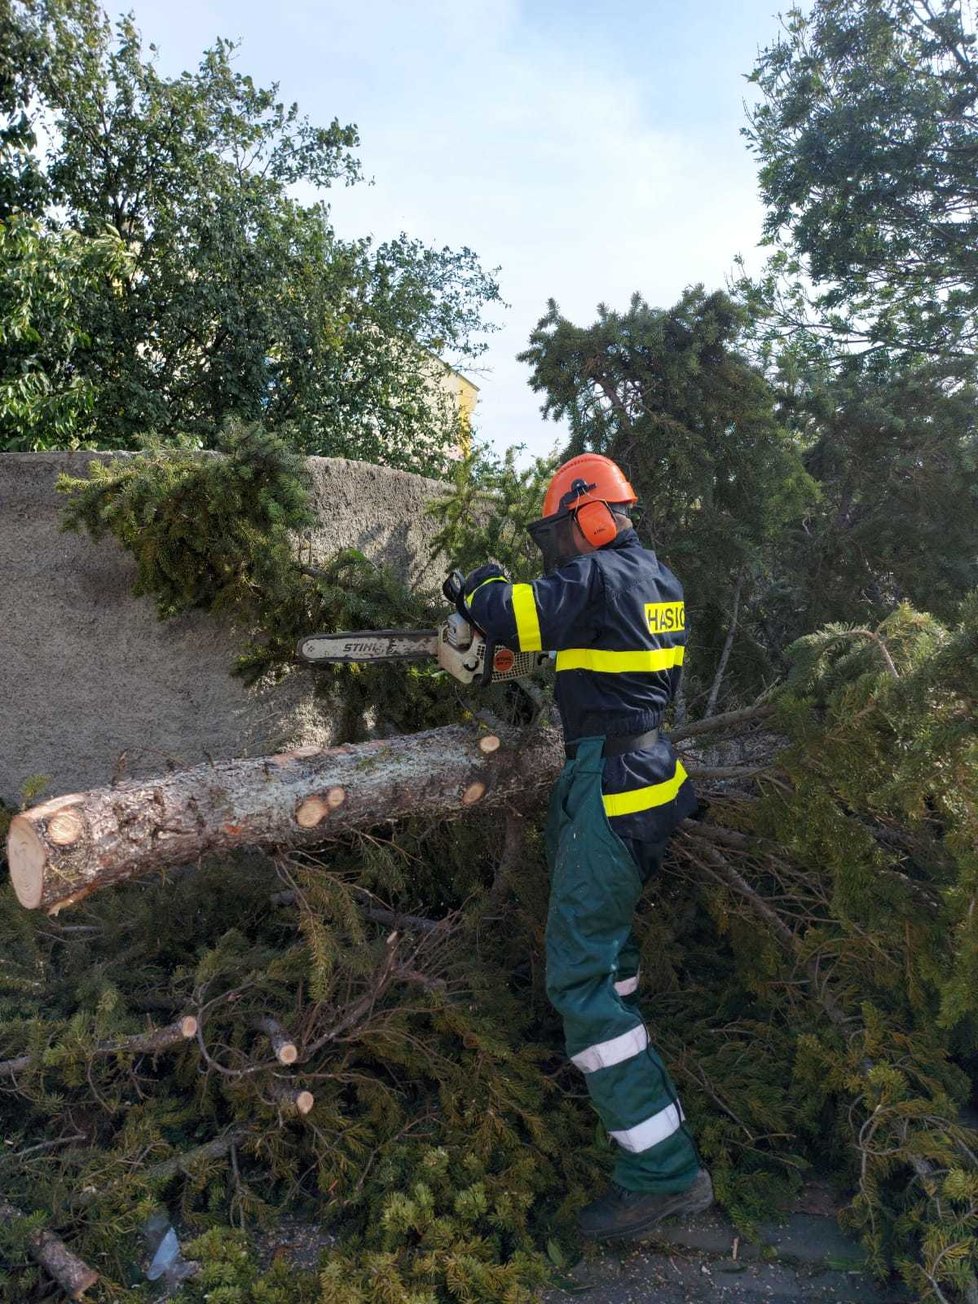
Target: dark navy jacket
x=616 y=620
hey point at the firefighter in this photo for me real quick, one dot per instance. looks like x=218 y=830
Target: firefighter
x=615 y=617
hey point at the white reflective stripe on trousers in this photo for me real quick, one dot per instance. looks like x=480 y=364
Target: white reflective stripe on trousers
x=626 y=986
x=648 y=1133
x=605 y=1053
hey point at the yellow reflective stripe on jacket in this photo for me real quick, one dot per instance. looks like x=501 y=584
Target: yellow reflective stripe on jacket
x=655 y=794
x=493 y=579
x=527 y=620
x=619 y=663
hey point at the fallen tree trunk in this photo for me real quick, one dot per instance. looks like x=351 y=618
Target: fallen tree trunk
x=64 y=849
x=61 y=851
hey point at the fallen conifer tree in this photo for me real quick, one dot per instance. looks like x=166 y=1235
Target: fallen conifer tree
x=812 y=947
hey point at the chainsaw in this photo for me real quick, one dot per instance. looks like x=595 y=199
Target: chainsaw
x=458 y=646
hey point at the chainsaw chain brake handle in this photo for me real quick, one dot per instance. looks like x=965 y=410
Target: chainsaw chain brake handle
x=453 y=589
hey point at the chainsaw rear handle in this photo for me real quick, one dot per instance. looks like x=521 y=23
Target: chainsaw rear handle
x=454 y=591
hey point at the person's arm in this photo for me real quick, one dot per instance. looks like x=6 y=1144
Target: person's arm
x=535 y=617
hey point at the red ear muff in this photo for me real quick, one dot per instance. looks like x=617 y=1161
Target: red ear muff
x=597 y=523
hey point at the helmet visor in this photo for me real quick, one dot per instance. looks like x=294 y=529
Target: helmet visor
x=554 y=536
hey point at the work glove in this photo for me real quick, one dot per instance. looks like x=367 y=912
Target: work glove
x=490 y=571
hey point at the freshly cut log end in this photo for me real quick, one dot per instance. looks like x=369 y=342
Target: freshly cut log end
x=27 y=857
x=141 y=1043
x=315 y=809
x=311 y=812
x=489 y=744
x=293 y=1100
x=286 y=1051
x=66 y=828
x=473 y=793
x=72 y=1274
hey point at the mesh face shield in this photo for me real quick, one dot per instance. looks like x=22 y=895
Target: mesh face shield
x=554 y=536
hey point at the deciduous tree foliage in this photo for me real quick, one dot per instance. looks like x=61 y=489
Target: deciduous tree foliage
x=53 y=286
x=21 y=179
x=240 y=300
x=866 y=136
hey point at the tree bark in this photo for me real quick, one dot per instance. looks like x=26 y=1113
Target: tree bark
x=140 y=1043
x=282 y=1044
x=65 y=849
x=61 y=851
x=72 y=1274
x=711 y=701
x=727 y=722
x=292 y=1100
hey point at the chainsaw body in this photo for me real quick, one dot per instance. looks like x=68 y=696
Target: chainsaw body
x=463 y=652
x=458 y=646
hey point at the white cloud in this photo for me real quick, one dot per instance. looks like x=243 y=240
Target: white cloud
x=561 y=183
x=539 y=153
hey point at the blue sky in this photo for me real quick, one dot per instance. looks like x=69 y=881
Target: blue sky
x=586 y=149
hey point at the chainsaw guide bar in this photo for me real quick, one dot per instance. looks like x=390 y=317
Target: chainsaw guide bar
x=373 y=645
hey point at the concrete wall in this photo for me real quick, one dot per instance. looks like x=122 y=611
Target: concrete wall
x=93 y=686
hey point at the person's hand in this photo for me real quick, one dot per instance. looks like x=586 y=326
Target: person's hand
x=490 y=571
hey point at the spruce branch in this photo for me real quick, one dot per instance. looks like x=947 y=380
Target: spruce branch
x=157 y=1175
x=727 y=721
x=141 y=1043
x=72 y=1274
x=711 y=701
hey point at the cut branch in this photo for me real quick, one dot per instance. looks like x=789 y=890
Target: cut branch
x=727 y=720
x=724 y=771
x=141 y=1043
x=286 y=1051
x=72 y=1274
x=375 y=913
x=291 y=1100
x=715 y=833
x=159 y=1174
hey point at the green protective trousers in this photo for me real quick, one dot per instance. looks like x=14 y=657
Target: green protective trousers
x=595 y=886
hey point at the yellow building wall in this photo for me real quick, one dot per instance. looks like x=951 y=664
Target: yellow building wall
x=462 y=393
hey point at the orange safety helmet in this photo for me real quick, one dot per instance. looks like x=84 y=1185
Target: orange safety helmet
x=602 y=477
x=582 y=492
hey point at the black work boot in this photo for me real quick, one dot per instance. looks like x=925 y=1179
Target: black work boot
x=622 y=1215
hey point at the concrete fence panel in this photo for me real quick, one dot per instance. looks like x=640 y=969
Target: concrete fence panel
x=94 y=687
